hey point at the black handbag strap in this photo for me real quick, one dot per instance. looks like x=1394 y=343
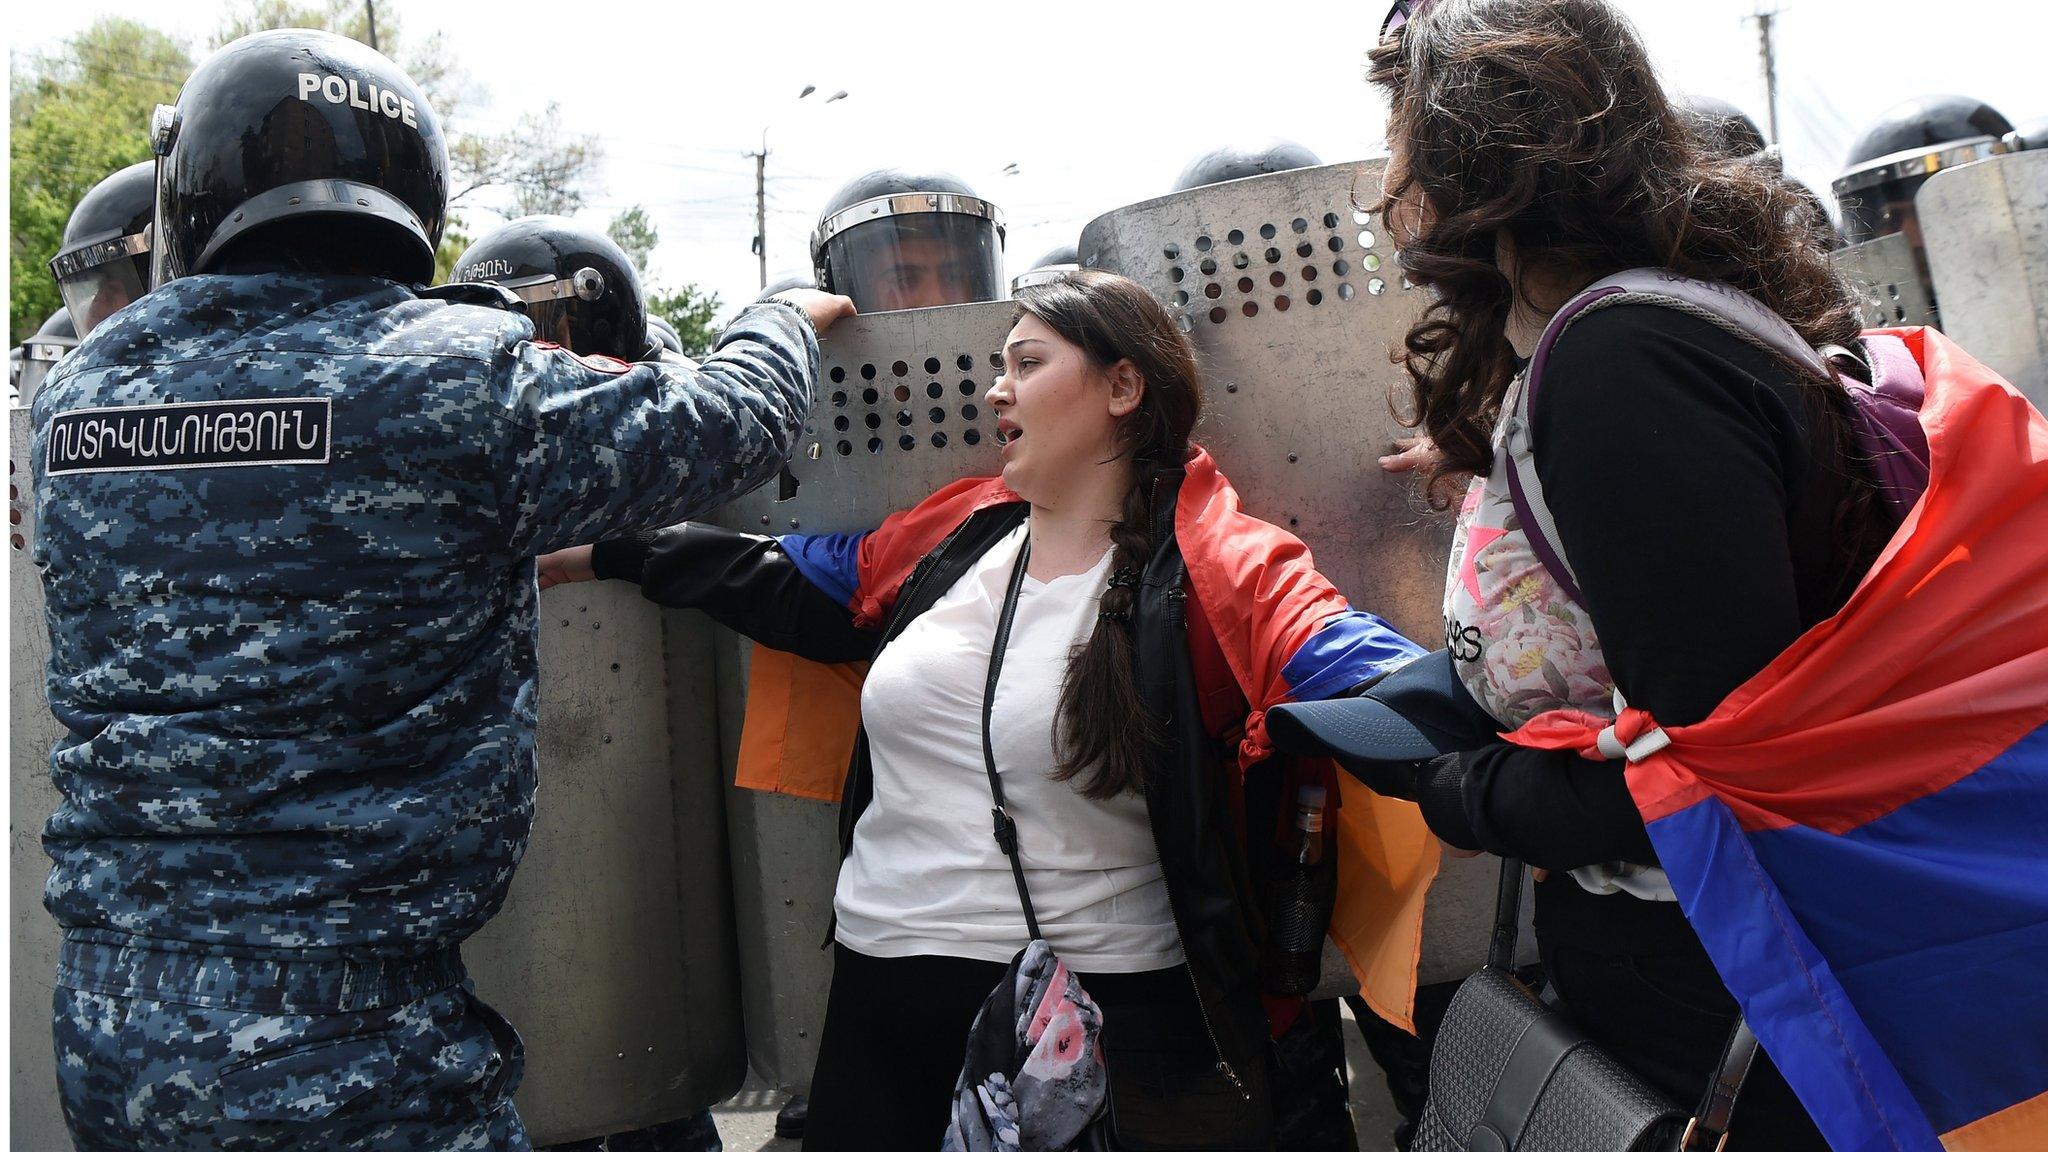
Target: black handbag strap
x=1006 y=828
x=1707 y=1130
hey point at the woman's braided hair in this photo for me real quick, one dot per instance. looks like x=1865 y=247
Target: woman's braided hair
x=1104 y=736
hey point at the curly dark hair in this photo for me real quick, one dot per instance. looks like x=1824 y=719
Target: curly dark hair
x=1544 y=121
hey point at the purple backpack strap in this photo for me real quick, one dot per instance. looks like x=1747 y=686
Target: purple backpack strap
x=1887 y=409
x=1888 y=421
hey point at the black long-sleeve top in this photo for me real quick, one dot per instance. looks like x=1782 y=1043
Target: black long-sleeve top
x=1696 y=484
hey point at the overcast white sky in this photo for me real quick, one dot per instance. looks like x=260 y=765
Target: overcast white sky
x=1098 y=104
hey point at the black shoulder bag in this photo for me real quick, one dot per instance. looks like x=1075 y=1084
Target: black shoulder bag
x=1509 y=1074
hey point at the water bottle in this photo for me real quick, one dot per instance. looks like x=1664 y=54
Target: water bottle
x=1303 y=890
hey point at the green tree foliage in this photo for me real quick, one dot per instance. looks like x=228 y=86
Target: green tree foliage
x=634 y=231
x=691 y=311
x=77 y=116
x=545 y=169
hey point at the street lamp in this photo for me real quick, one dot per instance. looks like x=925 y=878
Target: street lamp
x=761 y=184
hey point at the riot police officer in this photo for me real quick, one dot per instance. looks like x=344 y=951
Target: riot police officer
x=1908 y=143
x=284 y=508
x=1237 y=161
x=892 y=239
x=40 y=353
x=582 y=292
x=103 y=265
x=578 y=286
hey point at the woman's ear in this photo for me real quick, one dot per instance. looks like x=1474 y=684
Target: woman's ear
x=1126 y=388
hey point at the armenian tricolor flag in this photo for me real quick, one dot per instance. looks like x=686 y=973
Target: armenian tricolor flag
x=1860 y=833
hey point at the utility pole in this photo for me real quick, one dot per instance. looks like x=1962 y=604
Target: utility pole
x=370 y=8
x=1770 y=61
x=761 y=207
x=761 y=185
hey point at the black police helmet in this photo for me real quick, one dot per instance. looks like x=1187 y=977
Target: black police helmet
x=316 y=143
x=890 y=182
x=662 y=335
x=580 y=287
x=120 y=205
x=103 y=263
x=856 y=249
x=1728 y=130
x=1064 y=254
x=1926 y=122
x=57 y=329
x=1236 y=161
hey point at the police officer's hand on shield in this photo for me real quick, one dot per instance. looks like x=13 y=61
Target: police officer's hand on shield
x=824 y=308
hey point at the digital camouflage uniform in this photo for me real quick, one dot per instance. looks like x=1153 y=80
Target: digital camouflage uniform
x=296 y=665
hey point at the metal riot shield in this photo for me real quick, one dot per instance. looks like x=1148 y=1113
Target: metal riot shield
x=1985 y=227
x=1294 y=303
x=613 y=955
x=899 y=414
x=37 y=1120
x=1891 y=291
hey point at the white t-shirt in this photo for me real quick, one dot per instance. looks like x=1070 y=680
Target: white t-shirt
x=925 y=876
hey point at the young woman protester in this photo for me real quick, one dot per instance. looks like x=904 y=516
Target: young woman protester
x=1154 y=622
x=1709 y=494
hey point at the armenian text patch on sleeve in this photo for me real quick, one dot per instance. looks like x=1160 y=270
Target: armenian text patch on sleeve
x=198 y=434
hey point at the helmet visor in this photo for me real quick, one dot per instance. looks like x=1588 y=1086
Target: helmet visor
x=917 y=260
x=99 y=279
x=569 y=311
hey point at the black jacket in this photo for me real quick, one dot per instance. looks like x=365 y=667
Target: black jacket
x=749 y=584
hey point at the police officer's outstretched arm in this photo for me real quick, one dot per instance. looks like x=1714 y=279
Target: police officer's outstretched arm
x=607 y=449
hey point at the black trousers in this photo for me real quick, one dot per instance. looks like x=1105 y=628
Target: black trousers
x=896 y=1033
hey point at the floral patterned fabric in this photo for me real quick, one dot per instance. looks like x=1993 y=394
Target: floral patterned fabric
x=1034 y=1077
x=1520 y=644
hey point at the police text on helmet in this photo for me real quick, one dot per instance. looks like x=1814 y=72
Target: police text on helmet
x=339 y=90
x=484 y=269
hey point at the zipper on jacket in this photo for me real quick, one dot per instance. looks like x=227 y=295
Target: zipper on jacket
x=1176 y=617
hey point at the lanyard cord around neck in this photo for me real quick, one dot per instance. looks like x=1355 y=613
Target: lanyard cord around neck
x=1006 y=828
